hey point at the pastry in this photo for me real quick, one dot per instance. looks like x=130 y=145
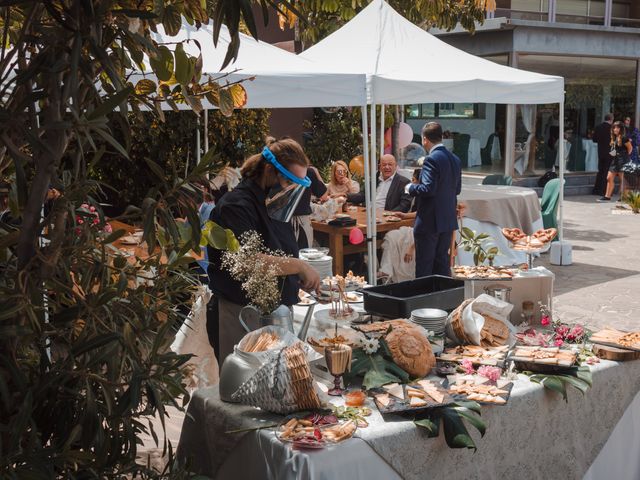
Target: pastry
x=383 y=399
x=395 y=389
x=410 y=349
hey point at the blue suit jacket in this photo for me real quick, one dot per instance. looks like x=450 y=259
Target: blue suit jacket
x=440 y=184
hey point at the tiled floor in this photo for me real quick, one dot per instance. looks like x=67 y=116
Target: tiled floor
x=602 y=287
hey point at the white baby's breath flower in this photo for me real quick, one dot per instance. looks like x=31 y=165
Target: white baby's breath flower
x=371 y=346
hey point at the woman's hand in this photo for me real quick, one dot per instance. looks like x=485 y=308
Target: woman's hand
x=309 y=278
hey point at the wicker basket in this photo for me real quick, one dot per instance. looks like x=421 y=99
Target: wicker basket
x=282 y=385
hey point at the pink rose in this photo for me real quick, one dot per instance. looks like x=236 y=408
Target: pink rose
x=80 y=221
x=492 y=373
x=577 y=331
x=545 y=321
x=96 y=221
x=467 y=365
x=92 y=208
x=562 y=331
x=558 y=342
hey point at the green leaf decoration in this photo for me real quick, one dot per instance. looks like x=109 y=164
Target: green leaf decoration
x=580 y=378
x=432 y=428
x=162 y=64
x=455 y=432
x=184 y=67
x=377 y=370
x=145 y=87
x=468 y=233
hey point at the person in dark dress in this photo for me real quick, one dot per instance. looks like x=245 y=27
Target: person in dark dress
x=621 y=148
x=602 y=136
x=259 y=203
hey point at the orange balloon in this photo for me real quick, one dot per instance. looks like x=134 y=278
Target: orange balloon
x=356 y=165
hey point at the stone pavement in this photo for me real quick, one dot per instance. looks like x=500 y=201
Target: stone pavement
x=602 y=287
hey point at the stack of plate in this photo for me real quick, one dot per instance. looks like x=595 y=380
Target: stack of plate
x=430 y=319
x=318 y=260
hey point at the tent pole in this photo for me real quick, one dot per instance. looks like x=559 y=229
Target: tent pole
x=373 y=261
x=381 y=129
x=562 y=167
x=367 y=187
x=206 y=134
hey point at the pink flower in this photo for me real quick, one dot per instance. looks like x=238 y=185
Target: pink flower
x=467 y=365
x=96 y=221
x=80 y=221
x=84 y=205
x=558 y=342
x=492 y=373
x=545 y=321
x=92 y=209
x=107 y=228
x=562 y=331
x=593 y=360
x=577 y=331
x=78 y=231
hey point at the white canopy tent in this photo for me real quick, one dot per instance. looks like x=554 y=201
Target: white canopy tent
x=405 y=64
x=280 y=79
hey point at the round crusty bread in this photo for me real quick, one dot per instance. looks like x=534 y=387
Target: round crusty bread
x=410 y=349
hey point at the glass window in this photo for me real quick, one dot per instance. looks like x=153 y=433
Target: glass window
x=443 y=110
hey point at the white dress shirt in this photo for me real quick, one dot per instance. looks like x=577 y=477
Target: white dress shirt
x=407 y=187
x=382 y=191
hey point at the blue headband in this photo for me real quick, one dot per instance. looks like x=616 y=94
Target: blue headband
x=271 y=158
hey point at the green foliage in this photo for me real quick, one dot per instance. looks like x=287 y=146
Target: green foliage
x=320 y=18
x=452 y=418
x=170 y=144
x=377 y=369
x=479 y=244
x=633 y=200
x=580 y=378
x=334 y=136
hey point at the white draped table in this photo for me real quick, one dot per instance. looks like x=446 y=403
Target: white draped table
x=535 y=436
x=489 y=208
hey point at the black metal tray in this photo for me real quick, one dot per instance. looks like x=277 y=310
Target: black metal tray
x=398 y=300
x=402 y=406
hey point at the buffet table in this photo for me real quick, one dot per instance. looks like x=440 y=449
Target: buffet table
x=536 y=435
x=488 y=208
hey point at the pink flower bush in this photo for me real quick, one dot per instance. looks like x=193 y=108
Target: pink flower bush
x=558 y=342
x=492 y=373
x=467 y=366
x=89 y=215
x=545 y=322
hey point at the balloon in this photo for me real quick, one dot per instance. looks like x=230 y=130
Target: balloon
x=356 y=236
x=356 y=165
x=405 y=135
x=387 y=138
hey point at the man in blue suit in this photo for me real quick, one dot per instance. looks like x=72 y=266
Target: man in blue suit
x=436 y=219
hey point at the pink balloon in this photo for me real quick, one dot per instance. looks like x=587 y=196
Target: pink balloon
x=356 y=236
x=387 y=138
x=405 y=135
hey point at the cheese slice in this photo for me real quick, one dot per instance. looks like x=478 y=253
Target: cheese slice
x=415 y=393
x=498 y=391
x=383 y=399
x=426 y=384
x=436 y=395
x=479 y=379
x=417 y=402
x=502 y=382
x=395 y=390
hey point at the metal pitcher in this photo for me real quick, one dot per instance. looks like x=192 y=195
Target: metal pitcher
x=501 y=292
x=251 y=319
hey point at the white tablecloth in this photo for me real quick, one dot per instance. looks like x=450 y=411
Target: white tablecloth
x=535 y=436
x=591 y=159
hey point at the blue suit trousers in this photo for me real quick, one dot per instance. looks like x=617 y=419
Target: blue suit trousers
x=432 y=253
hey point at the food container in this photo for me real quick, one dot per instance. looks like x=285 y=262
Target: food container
x=398 y=300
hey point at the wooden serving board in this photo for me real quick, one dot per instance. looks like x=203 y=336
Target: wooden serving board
x=608 y=337
x=614 y=353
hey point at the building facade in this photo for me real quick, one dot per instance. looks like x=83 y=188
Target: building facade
x=593 y=44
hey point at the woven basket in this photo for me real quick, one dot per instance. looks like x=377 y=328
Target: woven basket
x=455 y=330
x=282 y=385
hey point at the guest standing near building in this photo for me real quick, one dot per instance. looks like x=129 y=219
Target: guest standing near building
x=436 y=220
x=602 y=136
x=634 y=135
x=620 y=151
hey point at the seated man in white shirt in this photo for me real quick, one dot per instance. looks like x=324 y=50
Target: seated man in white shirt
x=390 y=194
